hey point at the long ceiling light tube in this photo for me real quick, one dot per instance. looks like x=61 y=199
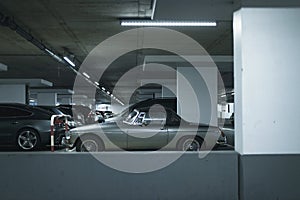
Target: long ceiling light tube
x=166 y=23
x=86 y=75
x=56 y=57
x=69 y=61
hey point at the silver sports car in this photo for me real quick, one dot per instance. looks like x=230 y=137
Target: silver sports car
x=145 y=129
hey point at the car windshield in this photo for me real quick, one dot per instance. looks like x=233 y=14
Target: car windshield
x=130 y=118
x=123 y=112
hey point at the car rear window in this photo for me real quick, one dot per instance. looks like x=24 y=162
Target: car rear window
x=6 y=111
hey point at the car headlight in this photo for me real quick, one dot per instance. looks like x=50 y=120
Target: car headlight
x=68 y=137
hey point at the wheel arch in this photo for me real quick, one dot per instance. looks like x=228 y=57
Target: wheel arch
x=196 y=137
x=26 y=128
x=87 y=135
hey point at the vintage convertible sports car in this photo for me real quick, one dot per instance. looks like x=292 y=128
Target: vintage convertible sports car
x=145 y=129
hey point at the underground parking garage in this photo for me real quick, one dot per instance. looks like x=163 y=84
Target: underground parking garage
x=149 y=99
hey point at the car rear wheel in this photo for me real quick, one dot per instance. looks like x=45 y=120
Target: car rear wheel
x=189 y=144
x=28 y=139
x=89 y=143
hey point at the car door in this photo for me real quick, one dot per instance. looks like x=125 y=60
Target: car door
x=147 y=132
x=115 y=134
x=10 y=123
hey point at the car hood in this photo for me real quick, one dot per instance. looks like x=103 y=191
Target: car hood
x=93 y=127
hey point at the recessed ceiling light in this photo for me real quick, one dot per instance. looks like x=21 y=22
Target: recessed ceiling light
x=86 y=75
x=96 y=83
x=69 y=61
x=3 y=67
x=166 y=23
x=103 y=88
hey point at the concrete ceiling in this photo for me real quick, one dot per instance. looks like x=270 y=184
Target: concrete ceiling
x=78 y=26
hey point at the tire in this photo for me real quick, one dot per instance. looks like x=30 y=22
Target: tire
x=28 y=139
x=189 y=144
x=89 y=143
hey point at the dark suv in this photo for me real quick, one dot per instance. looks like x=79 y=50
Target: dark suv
x=167 y=103
x=170 y=103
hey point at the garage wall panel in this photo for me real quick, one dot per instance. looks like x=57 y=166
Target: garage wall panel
x=269 y=177
x=13 y=93
x=75 y=176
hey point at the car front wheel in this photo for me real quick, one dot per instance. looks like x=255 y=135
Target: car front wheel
x=89 y=143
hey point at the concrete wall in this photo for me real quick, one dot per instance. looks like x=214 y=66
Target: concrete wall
x=220 y=175
x=13 y=93
x=266 y=67
x=47 y=99
x=80 y=176
x=197 y=94
x=166 y=92
x=269 y=177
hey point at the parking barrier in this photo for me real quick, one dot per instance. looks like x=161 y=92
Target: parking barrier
x=53 y=122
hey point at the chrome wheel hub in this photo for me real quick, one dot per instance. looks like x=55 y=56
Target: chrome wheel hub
x=27 y=140
x=89 y=146
x=191 y=145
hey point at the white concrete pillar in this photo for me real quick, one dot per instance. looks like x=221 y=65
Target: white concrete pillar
x=13 y=93
x=157 y=95
x=166 y=92
x=47 y=99
x=266 y=70
x=64 y=99
x=197 y=94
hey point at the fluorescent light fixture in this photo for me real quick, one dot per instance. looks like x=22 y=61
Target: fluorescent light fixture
x=50 y=52
x=69 y=61
x=166 y=23
x=96 y=83
x=57 y=58
x=108 y=92
x=223 y=95
x=103 y=88
x=3 y=67
x=86 y=75
x=53 y=55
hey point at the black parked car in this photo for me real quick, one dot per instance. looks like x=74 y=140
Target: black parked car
x=56 y=111
x=26 y=127
x=81 y=114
